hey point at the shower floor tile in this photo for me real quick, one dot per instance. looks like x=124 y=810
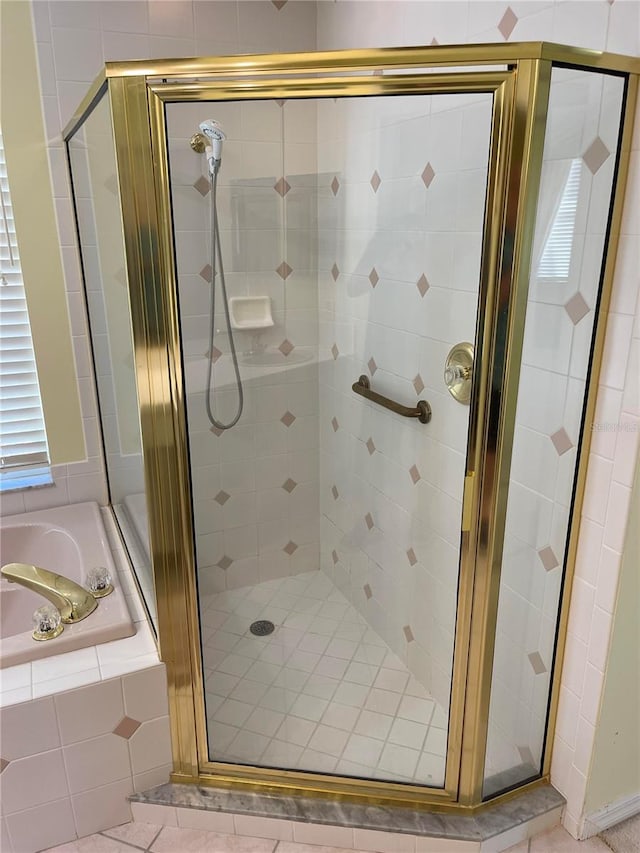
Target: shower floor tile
x=322 y=692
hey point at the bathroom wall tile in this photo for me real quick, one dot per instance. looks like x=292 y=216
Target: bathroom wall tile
x=42 y=827
x=210 y=821
x=145 y=693
x=63 y=665
x=97 y=761
x=28 y=728
x=5 y=842
x=369 y=839
x=151 y=778
x=149 y=813
x=90 y=711
x=150 y=745
x=102 y=808
x=77 y=53
x=26 y=782
x=328 y=836
x=263 y=827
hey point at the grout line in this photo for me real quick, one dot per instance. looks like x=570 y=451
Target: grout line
x=103 y=833
x=154 y=839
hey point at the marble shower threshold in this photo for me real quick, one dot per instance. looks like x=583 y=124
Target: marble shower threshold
x=538 y=808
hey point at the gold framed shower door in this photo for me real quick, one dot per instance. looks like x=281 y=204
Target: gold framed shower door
x=138 y=92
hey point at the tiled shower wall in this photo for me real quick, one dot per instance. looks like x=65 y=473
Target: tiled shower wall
x=401 y=208
x=598 y=25
x=68 y=762
x=255 y=486
x=582 y=129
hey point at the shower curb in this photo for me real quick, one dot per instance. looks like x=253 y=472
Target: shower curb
x=516 y=819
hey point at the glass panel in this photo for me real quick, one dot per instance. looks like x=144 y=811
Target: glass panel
x=97 y=204
x=328 y=528
x=578 y=168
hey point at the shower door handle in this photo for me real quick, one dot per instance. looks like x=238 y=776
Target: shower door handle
x=422 y=411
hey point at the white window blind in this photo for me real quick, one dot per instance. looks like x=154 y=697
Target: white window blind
x=23 y=441
x=556 y=256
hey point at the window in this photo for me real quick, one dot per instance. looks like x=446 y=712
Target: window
x=24 y=455
x=555 y=261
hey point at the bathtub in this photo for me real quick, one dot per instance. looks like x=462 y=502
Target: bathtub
x=69 y=540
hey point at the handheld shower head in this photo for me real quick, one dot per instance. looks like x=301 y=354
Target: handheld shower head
x=215 y=134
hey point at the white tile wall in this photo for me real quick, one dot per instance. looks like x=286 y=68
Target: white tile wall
x=68 y=765
x=401 y=194
x=255 y=487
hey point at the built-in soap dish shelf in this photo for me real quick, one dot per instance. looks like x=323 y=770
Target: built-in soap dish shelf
x=250 y=312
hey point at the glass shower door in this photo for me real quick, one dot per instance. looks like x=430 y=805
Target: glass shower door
x=328 y=527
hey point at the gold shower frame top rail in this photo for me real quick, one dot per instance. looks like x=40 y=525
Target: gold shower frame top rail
x=421 y=411
x=138 y=92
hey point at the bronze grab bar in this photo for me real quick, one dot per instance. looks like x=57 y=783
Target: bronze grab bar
x=422 y=411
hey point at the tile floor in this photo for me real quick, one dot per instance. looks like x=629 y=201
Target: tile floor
x=173 y=839
x=322 y=693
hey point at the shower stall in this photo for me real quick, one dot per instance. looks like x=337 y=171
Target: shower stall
x=346 y=404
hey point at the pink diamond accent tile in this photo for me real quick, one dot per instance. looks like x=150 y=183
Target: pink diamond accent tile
x=507 y=23
x=286 y=347
x=374 y=278
x=290 y=548
x=214 y=354
x=282 y=187
x=284 y=270
x=281 y=101
x=335 y=352
x=367 y=591
x=335 y=272
x=335 y=424
x=577 y=308
x=334 y=557
x=289 y=485
x=434 y=41
x=371 y=446
x=561 y=441
x=335 y=492
x=422 y=284
x=126 y=727
x=222 y=497
x=418 y=384
x=279 y=4
x=335 y=185
x=375 y=181
x=368 y=520
x=414 y=474
x=428 y=175
x=548 y=558
x=411 y=556
x=3 y=763
x=202 y=185
x=206 y=273
x=595 y=155
x=408 y=633
x=537 y=664
x=288 y=418
x=371 y=364
x=224 y=563
x=217 y=432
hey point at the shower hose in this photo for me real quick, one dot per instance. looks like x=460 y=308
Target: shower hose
x=217 y=249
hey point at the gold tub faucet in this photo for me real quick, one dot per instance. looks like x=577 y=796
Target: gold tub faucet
x=73 y=601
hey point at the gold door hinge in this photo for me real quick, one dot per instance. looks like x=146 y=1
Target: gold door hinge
x=467 y=502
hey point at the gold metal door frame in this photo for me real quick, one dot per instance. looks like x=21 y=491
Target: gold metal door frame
x=520 y=97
